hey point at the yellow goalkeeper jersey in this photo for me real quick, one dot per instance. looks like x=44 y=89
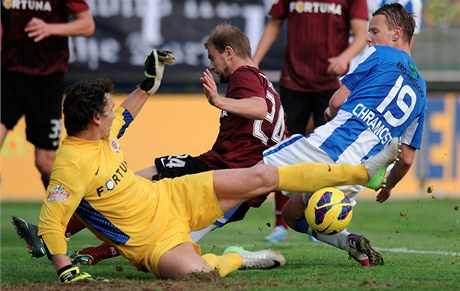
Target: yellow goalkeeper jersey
x=93 y=179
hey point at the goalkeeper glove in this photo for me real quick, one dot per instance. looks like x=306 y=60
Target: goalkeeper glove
x=154 y=68
x=72 y=274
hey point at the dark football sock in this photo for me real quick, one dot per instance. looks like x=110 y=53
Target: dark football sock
x=74 y=226
x=280 y=200
x=101 y=252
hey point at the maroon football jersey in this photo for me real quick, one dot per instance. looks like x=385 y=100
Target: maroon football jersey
x=241 y=141
x=316 y=31
x=19 y=52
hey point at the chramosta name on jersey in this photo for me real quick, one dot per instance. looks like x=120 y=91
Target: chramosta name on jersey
x=373 y=123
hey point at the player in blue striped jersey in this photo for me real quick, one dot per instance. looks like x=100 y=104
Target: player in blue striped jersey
x=382 y=99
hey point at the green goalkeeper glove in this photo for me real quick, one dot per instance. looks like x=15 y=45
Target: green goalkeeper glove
x=72 y=274
x=154 y=68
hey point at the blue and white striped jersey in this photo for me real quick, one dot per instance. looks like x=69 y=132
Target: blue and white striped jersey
x=387 y=100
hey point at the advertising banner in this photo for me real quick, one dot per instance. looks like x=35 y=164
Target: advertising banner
x=164 y=127
x=126 y=31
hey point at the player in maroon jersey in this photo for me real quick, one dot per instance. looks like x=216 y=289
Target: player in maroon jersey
x=34 y=59
x=252 y=120
x=317 y=53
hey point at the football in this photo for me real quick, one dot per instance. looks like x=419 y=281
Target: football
x=329 y=211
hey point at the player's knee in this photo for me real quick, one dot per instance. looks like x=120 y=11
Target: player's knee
x=177 y=271
x=181 y=261
x=293 y=210
x=44 y=167
x=44 y=163
x=288 y=218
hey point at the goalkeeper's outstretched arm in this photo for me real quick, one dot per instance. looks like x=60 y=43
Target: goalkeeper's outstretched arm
x=153 y=72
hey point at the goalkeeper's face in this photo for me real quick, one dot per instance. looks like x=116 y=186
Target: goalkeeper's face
x=106 y=118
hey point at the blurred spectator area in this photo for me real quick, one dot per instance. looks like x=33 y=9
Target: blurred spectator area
x=437 y=48
x=126 y=31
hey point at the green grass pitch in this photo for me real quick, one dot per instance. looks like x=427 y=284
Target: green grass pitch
x=419 y=239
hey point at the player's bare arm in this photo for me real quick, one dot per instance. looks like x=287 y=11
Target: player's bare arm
x=269 y=36
x=83 y=25
x=405 y=160
x=60 y=261
x=135 y=101
x=252 y=108
x=339 y=65
x=154 y=68
x=336 y=101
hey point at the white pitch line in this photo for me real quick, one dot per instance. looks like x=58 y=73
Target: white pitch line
x=406 y=250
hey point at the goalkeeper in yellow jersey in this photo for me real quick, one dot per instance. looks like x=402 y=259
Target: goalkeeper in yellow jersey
x=149 y=222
